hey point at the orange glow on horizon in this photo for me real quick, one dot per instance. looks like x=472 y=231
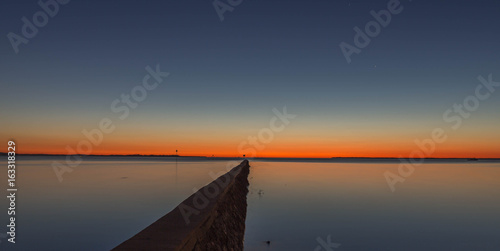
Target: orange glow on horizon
x=234 y=145
x=272 y=154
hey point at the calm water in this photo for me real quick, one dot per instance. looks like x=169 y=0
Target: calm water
x=103 y=202
x=442 y=206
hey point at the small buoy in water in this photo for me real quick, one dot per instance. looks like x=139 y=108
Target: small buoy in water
x=268 y=243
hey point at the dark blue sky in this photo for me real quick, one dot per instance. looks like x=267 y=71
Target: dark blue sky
x=264 y=54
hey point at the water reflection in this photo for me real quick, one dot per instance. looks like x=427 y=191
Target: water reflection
x=102 y=202
x=442 y=206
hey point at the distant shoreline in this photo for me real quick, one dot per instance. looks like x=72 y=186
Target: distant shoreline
x=239 y=157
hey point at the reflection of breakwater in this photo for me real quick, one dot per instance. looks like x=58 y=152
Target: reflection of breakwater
x=213 y=218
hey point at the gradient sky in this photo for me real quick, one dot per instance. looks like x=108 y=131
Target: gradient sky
x=226 y=77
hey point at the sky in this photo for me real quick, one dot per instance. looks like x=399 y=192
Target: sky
x=226 y=77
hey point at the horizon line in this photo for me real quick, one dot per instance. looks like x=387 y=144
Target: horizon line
x=241 y=157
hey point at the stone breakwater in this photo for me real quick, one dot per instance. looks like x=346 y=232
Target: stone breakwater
x=213 y=218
